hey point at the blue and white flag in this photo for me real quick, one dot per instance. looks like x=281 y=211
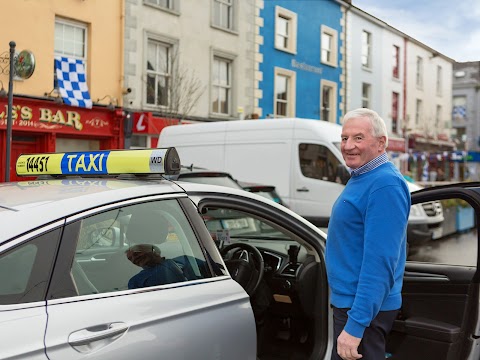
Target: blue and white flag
x=459 y=112
x=72 y=82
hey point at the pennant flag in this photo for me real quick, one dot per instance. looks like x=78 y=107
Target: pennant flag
x=72 y=82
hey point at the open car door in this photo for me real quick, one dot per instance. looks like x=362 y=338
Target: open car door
x=439 y=319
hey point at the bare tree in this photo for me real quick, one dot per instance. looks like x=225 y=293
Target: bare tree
x=175 y=89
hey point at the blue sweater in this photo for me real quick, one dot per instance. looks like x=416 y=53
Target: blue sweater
x=167 y=272
x=366 y=245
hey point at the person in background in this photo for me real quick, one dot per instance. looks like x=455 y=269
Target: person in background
x=366 y=242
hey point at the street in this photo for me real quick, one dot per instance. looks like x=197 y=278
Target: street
x=455 y=249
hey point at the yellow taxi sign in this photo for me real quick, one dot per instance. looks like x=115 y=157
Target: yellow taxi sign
x=102 y=162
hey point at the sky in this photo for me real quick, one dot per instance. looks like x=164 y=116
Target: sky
x=451 y=27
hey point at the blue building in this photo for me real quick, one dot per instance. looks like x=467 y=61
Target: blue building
x=301 y=59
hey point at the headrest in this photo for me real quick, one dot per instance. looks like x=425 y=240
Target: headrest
x=147 y=227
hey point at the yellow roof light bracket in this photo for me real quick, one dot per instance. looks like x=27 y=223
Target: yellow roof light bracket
x=103 y=162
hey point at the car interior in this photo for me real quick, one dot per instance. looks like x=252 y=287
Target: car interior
x=281 y=280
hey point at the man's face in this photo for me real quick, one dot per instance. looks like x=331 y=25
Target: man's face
x=359 y=146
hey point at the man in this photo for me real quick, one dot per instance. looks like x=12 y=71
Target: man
x=366 y=244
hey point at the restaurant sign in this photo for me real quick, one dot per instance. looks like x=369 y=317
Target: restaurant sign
x=36 y=115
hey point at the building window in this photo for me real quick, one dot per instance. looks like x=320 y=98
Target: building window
x=164 y=4
x=438 y=118
x=396 y=62
x=419 y=74
x=418 y=112
x=395 y=98
x=328 y=43
x=366 y=49
x=328 y=101
x=284 y=102
x=158 y=73
x=71 y=39
x=459 y=112
x=223 y=14
x=439 y=80
x=285 y=30
x=221 y=86
x=366 y=95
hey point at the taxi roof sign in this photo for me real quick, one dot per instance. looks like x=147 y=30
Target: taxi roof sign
x=101 y=162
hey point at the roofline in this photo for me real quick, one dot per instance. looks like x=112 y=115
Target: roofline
x=385 y=25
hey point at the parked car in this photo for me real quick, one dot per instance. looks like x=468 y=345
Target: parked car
x=205 y=176
x=267 y=191
x=425 y=222
x=242 y=277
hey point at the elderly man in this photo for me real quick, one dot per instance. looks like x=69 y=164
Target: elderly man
x=366 y=244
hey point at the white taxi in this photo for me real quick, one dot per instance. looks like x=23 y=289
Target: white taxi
x=101 y=257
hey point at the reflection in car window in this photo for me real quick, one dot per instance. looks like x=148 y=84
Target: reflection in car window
x=226 y=223
x=318 y=162
x=25 y=269
x=443 y=232
x=141 y=245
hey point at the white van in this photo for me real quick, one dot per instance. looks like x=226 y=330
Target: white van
x=301 y=157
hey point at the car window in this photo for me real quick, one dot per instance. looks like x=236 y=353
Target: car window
x=25 y=269
x=136 y=246
x=443 y=232
x=226 y=224
x=318 y=162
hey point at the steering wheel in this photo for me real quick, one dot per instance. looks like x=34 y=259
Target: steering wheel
x=247 y=268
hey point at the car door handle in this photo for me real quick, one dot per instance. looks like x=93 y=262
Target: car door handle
x=303 y=189
x=95 y=333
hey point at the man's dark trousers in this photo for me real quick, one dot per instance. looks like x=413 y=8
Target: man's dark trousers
x=372 y=346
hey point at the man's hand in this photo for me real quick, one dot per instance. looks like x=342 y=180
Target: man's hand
x=347 y=346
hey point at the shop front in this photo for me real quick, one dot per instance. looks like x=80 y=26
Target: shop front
x=146 y=129
x=45 y=126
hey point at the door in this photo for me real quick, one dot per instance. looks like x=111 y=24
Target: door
x=21 y=145
x=317 y=182
x=291 y=301
x=439 y=317
x=156 y=296
x=25 y=269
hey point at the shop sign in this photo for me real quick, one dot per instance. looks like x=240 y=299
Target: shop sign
x=395 y=144
x=40 y=116
x=145 y=123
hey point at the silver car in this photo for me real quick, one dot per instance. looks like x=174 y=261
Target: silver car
x=101 y=266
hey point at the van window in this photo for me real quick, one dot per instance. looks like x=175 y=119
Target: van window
x=318 y=162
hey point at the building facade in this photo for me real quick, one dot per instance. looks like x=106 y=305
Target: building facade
x=302 y=60
x=466 y=116
x=42 y=120
x=406 y=82
x=187 y=61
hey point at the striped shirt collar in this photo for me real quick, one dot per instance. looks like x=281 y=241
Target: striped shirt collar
x=372 y=164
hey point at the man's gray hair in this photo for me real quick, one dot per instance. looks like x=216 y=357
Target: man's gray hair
x=378 y=124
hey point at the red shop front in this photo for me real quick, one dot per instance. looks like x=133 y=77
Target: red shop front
x=40 y=126
x=146 y=129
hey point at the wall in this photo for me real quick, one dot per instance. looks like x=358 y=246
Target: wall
x=31 y=24
x=310 y=16
x=190 y=26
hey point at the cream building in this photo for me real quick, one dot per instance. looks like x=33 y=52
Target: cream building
x=190 y=59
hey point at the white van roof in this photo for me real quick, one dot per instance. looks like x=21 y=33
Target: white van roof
x=327 y=129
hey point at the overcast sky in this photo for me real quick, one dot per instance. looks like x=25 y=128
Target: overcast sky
x=451 y=27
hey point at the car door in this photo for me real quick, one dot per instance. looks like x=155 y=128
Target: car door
x=25 y=268
x=439 y=319
x=292 y=311
x=130 y=310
